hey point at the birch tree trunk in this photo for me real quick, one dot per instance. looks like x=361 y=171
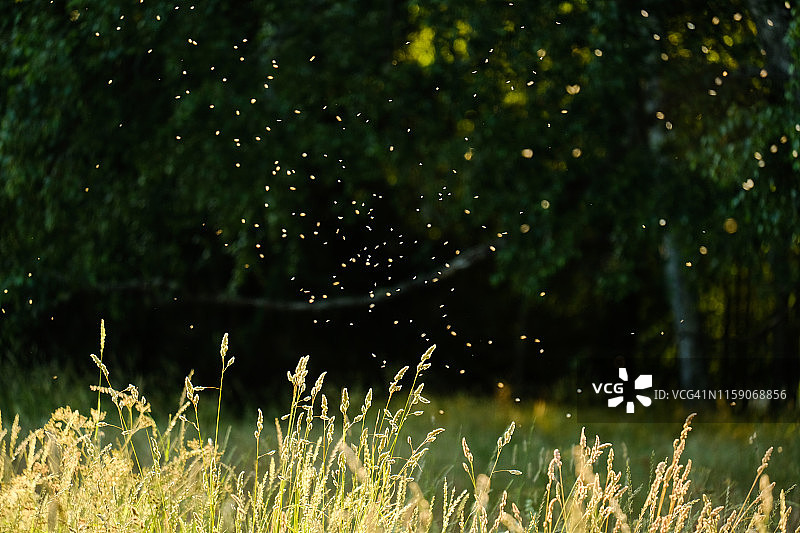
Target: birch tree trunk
x=684 y=312
x=682 y=301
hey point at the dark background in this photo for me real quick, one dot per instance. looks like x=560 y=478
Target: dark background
x=530 y=184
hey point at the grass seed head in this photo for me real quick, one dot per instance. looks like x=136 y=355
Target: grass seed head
x=394 y=385
x=223 y=347
x=466 y=450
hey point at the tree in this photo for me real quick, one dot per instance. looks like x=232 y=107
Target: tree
x=287 y=158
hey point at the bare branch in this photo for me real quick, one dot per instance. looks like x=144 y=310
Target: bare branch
x=462 y=261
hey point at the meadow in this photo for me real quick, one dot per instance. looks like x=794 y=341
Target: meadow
x=376 y=460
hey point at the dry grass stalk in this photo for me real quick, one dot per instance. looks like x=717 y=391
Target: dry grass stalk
x=80 y=473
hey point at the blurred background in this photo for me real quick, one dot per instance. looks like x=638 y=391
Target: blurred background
x=522 y=184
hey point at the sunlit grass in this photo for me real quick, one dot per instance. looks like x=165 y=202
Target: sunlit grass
x=393 y=461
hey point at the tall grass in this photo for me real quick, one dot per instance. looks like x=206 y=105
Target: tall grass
x=328 y=472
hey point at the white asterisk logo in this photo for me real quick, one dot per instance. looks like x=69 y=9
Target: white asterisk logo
x=644 y=381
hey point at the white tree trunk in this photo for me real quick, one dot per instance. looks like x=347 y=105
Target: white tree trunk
x=684 y=311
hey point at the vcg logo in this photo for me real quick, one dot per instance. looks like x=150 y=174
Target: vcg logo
x=617 y=390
